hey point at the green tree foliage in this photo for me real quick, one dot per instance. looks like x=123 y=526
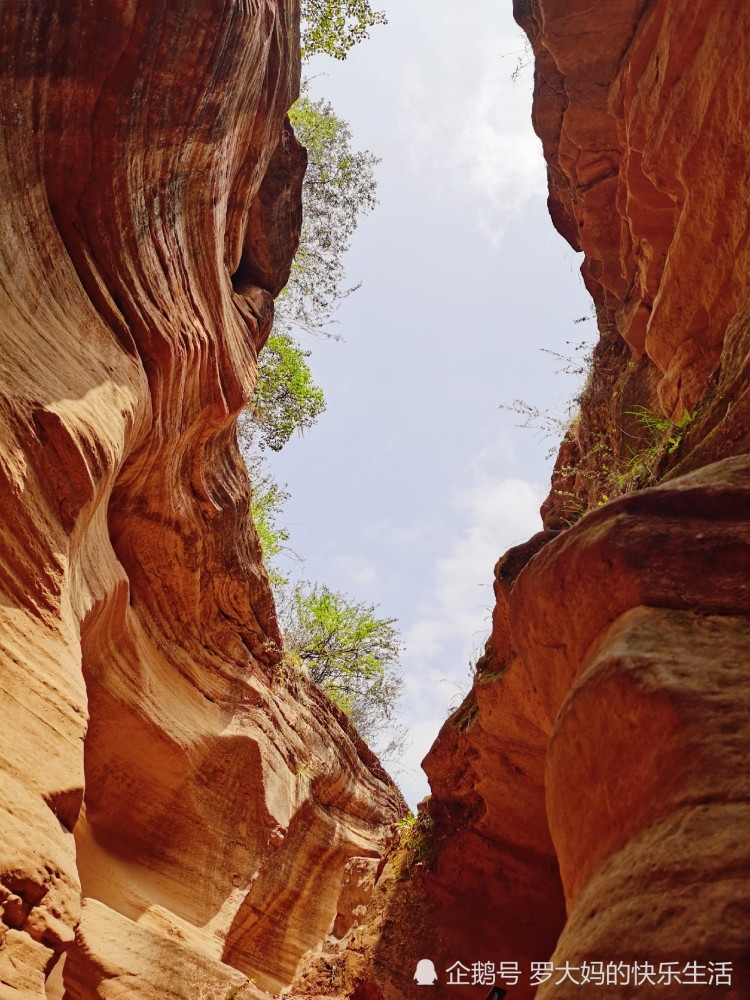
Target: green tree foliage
x=348 y=650
x=266 y=503
x=332 y=27
x=285 y=399
x=339 y=188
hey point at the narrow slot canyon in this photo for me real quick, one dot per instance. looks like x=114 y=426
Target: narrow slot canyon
x=187 y=811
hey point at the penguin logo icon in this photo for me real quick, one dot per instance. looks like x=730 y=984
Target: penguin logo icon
x=425 y=974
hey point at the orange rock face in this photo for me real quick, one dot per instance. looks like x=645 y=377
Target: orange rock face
x=177 y=814
x=151 y=758
x=641 y=112
x=593 y=786
x=647 y=682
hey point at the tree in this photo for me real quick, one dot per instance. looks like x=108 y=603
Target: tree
x=345 y=647
x=285 y=399
x=348 y=650
x=339 y=187
x=266 y=503
x=332 y=27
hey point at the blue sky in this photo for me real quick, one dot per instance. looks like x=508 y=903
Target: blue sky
x=414 y=481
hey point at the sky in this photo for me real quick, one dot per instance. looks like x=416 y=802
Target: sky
x=414 y=481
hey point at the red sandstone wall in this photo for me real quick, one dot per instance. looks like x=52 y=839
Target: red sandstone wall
x=150 y=762
x=590 y=797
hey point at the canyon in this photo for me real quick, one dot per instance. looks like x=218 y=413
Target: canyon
x=181 y=815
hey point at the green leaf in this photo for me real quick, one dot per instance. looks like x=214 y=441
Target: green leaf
x=348 y=650
x=333 y=27
x=285 y=399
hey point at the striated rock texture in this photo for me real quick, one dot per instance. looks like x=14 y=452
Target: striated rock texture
x=639 y=105
x=594 y=785
x=591 y=797
x=153 y=758
x=180 y=812
x=640 y=108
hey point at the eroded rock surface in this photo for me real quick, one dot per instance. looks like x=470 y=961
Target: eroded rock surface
x=218 y=820
x=647 y=683
x=590 y=795
x=640 y=109
x=152 y=759
x=627 y=633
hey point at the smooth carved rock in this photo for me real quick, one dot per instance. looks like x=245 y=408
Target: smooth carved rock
x=115 y=958
x=635 y=626
x=681 y=741
x=683 y=545
x=649 y=799
x=150 y=211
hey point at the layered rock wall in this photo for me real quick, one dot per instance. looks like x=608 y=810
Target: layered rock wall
x=629 y=632
x=178 y=813
x=590 y=796
x=648 y=690
x=153 y=759
x=639 y=105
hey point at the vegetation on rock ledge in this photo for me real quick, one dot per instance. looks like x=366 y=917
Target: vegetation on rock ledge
x=336 y=642
x=348 y=650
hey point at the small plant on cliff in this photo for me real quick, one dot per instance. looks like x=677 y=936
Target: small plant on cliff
x=415 y=845
x=669 y=432
x=545 y=423
x=663 y=438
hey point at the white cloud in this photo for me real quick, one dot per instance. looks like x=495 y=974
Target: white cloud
x=496 y=513
x=356 y=571
x=467 y=123
x=412 y=536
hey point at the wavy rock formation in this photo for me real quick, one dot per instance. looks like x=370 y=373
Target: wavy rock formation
x=179 y=813
x=622 y=642
x=153 y=761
